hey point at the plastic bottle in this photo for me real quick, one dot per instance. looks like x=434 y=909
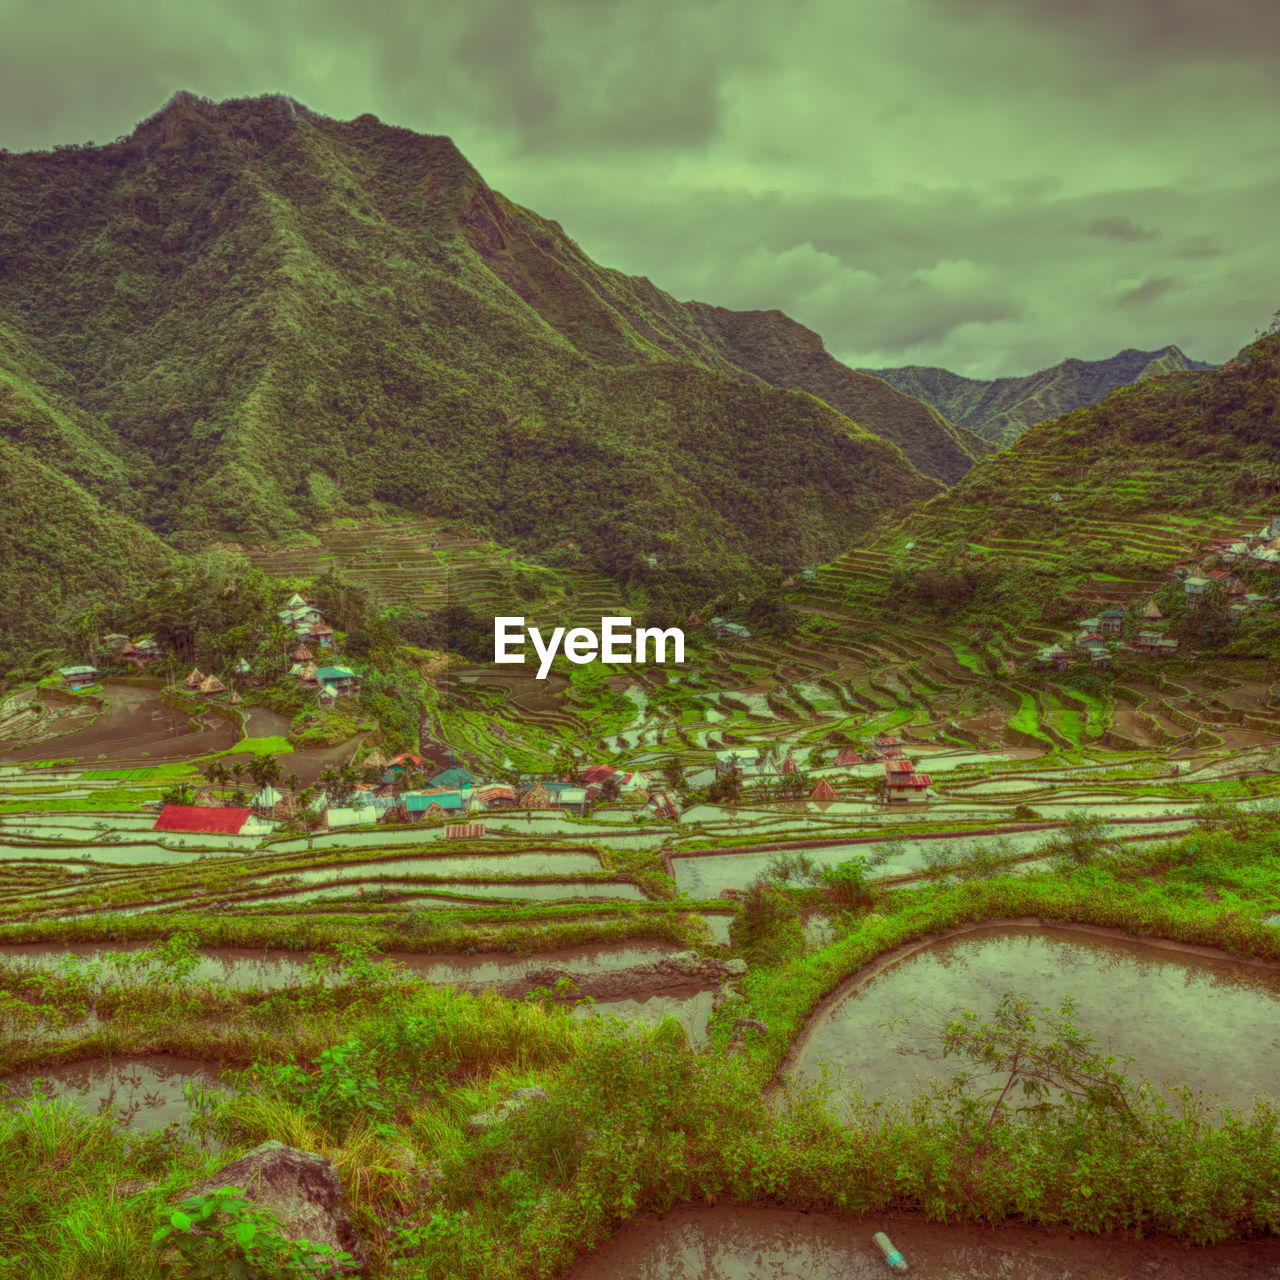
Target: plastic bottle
x=895 y=1260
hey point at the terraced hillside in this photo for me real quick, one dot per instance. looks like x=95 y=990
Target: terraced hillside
x=427 y=564
x=1096 y=506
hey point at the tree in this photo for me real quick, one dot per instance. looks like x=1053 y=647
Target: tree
x=726 y=789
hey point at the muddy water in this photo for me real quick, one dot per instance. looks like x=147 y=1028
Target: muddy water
x=1185 y=1017
x=704 y=876
x=514 y=864
x=134 y=725
x=690 y=1007
x=249 y=967
x=145 y=1094
x=517 y=891
x=128 y=855
x=735 y=1243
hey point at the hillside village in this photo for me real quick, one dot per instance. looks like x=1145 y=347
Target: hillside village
x=1213 y=581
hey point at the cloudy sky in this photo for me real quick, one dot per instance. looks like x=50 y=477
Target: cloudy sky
x=989 y=185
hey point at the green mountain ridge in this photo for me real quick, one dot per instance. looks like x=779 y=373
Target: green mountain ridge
x=1001 y=409
x=786 y=354
x=245 y=318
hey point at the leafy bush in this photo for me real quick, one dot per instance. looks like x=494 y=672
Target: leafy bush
x=224 y=1236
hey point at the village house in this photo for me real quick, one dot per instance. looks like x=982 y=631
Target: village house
x=566 y=795
x=1054 y=655
x=211 y=821
x=78 y=677
x=1194 y=588
x=1111 y=622
x=1155 y=643
x=418 y=803
x=337 y=680
x=726 y=630
x=901 y=782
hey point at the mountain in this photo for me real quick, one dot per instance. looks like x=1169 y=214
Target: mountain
x=245 y=318
x=1002 y=409
x=1095 y=505
x=61 y=550
x=784 y=353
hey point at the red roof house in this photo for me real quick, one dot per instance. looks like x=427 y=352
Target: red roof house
x=190 y=817
x=822 y=790
x=848 y=756
x=907 y=786
x=596 y=773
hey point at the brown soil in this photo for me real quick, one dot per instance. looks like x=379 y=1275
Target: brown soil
x=618 y=984
x=135 y=726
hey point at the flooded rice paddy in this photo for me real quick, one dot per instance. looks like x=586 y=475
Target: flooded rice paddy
x=144 y=1093
x=732 y=1242
x=706 y=875
x=246 y=968
x=689 y=1006
x=1183 y=1013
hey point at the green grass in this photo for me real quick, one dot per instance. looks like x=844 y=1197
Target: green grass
x=272 y=746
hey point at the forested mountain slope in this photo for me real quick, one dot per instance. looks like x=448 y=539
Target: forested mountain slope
x=244 y=318
x=786 y=354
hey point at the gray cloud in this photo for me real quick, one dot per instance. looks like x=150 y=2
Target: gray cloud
x=1151 y=31
x=1118 y=228
x=1147 y=291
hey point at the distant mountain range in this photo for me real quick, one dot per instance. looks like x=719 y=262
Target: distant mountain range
x=1001 y=409
x=245 y=318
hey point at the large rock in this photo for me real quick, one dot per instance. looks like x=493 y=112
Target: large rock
x=300 y=1188
x=686 y=962
x=515 y=1101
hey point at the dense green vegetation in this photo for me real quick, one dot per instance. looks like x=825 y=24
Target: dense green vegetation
x=786 y=354
x=380 y=1073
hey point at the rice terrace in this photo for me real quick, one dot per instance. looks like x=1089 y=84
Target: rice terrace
x=671 y=870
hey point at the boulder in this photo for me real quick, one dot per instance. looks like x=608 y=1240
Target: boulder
x=300 y=1188
x=687 y=962
x=482 y=1122
x=734 y=968
x=515 y=1101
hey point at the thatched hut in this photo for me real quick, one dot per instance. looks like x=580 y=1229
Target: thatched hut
x=537 y=797
x=822 y=790
x=211 y=684
x=195 y=678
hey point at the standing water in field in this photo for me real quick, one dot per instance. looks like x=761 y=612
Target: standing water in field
x=735 y=1243
x=1185 y=1016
